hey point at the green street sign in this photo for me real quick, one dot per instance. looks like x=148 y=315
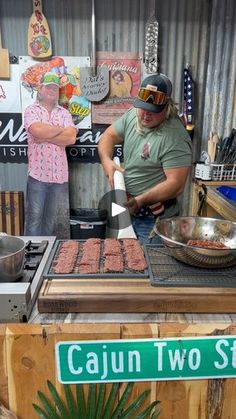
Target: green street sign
x=146 y=359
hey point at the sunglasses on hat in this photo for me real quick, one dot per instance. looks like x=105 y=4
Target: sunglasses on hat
x=154 y=96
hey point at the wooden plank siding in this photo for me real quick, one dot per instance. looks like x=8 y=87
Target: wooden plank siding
x=27 y=361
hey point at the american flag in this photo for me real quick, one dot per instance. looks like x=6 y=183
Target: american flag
x=188 y=112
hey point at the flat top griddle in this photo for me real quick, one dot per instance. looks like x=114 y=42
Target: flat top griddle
x=166 y=271
x=75 y=274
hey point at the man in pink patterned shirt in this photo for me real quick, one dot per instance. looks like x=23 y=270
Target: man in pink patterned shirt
x=49 y=130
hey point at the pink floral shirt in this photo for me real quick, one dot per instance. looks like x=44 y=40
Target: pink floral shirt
x=47 y=162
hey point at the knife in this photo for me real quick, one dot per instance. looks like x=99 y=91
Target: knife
x=228 y=145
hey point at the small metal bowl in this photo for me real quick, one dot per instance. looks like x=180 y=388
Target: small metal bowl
x=175 y=233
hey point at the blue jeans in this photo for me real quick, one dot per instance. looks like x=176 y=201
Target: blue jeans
x=46 y=204
x=142 y=227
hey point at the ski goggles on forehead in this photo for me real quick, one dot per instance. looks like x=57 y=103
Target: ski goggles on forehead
x=155 y=97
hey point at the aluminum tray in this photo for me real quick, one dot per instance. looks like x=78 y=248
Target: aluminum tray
x=166 y=271
x=49 y=274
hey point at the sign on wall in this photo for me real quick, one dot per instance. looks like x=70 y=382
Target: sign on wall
x=125 y=75
x=13 y=139
x=10 y=92
x=146 y=359
x=13 y=142
x=71 y=97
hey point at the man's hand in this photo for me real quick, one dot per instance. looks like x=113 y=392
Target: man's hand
x=110 y=167
x=132 y=206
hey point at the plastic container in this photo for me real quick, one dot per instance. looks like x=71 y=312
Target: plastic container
x=86 y=223
x=228 y=191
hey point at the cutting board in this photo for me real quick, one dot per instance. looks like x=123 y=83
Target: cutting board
x=12 y=212
x=4 y=61
x=131 y=296
x=39 y=37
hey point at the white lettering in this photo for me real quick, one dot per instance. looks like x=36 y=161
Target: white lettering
x=71 y=350
x=12 y=151
x=160 y=346
x=105 y=367
x=82 y=151
x=194 y=359
x=20 y=134
x=221 y=342
x=92 y=364
x=177 y=358
x=233 y=349
x=120 y=367
x=134 y=355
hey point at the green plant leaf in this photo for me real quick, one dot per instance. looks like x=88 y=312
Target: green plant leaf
x=57 y=399
x=123 y=400
x=91 y=402
x=95 y=406
x=49 y=408
x=80 y=401
x=146 y=413
x=135 y=405
x=41 y=412
x=110 y=401
x=156 y=414
x=71 y=404
x=100 y=400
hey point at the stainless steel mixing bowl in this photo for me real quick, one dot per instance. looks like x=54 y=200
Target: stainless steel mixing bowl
x=175 y=233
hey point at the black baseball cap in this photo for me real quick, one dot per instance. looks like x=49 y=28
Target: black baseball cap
x=154 y=93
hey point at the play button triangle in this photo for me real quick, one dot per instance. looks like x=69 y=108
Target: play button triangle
x=116 y=209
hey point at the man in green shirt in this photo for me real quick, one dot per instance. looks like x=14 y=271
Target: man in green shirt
x=157 y=154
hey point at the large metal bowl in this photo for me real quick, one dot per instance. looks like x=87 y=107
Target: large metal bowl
x=175 y=233
x=12 y=255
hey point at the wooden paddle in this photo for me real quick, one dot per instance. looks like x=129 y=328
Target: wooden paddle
x=39 y=38
x=4 y=61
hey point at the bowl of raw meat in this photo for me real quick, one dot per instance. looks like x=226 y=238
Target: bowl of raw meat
x=199 y=241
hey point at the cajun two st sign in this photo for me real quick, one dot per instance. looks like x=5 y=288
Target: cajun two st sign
x=146 y=359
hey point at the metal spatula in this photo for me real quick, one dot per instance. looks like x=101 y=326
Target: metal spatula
x=94 y=81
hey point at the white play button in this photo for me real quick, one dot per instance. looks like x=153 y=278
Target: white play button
x=118 y=216
x=116 y=209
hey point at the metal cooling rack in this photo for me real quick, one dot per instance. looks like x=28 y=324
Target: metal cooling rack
x=50 y=274
x=165 y=271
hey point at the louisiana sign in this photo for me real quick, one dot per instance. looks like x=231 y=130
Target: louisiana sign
x=146 y=359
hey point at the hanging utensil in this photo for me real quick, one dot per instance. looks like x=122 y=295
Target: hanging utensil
x=210 y=147
x=229 y=144
x=215 y=139
x=94 y=81
x=151 y=62
x=39 y=37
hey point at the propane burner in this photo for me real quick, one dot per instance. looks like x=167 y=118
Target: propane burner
x=33 y=248
x=17 y=298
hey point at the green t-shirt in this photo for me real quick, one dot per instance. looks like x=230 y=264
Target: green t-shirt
x=148 y=152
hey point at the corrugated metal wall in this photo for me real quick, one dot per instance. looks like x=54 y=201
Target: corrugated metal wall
x=198 y=32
